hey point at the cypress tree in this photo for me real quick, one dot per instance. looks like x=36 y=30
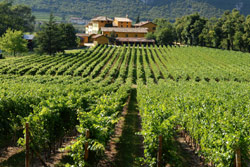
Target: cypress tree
x=138 y=19
x=49 y=39
x=69 y=39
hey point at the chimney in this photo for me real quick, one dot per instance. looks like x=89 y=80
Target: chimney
x=126 y=15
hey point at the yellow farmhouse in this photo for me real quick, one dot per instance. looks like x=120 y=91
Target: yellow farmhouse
x=101 y=28
x=96 y=23
x=146 y=24
x=122 y=22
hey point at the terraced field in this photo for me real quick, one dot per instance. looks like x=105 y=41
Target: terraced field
x=201 y=92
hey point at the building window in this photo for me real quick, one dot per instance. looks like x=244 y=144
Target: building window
x=154 y=28
x=116 y=35
x=136 y=35
x=121 y=25
x=127 y=25
x=126 y=35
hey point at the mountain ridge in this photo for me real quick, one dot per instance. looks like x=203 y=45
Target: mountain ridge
x=147 y=9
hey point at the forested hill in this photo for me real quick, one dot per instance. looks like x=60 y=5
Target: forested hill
x=147 y=9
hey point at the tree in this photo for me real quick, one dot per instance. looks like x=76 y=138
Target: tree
x=165 y=33
x=208 y=36
x=218 y=33
x=69 y=39
x=194 y=27
x=196 y=30
x=56 y=37
x=165 y=36
x=50 y=38
x=112 y=38
x=17 y=17
x=232 y=23
x=78 y=41
x=162 y=23
x=138 y=19
x=179 y=28
x=189 y=28
x=246 y=36
x=238 y=42
x=151 y=35
x=12 y=42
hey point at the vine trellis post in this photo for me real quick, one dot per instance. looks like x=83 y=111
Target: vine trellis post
x=159 y=153
x=86 y=155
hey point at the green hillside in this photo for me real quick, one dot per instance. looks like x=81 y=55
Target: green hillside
x=148 y=9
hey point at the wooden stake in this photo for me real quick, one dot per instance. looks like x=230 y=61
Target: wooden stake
x=159 y=154
x=86 y=156
x=238 y=158
x=27 y=138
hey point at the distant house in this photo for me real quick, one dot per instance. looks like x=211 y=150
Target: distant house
x=146 y=24
x=77 y=20
x=84 y=38
x=122 y=22
x=96 y=23
x=30 y=39
x=89 y=28
x=121 y=30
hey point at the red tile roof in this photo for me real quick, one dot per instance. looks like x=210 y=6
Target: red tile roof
x=101 y=18
x=97 y=36
x=143 y=23
x=123 y=19
x=82 y=35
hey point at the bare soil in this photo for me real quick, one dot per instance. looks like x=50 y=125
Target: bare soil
x=8 y=152
x=15 y=156
x=111 y=149
x=57 y=156
x=125 y=146
x=187 y=154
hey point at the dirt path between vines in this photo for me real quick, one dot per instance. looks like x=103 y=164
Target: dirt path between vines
x=187 y=153
x=123 y=149
x=125 y=146
x=15 y=156
x=5 y=154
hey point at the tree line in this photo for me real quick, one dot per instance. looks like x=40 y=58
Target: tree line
x=230 y=31
x=55 y=37
x=17 y=19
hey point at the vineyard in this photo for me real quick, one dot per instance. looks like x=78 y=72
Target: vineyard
x=200 y=93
